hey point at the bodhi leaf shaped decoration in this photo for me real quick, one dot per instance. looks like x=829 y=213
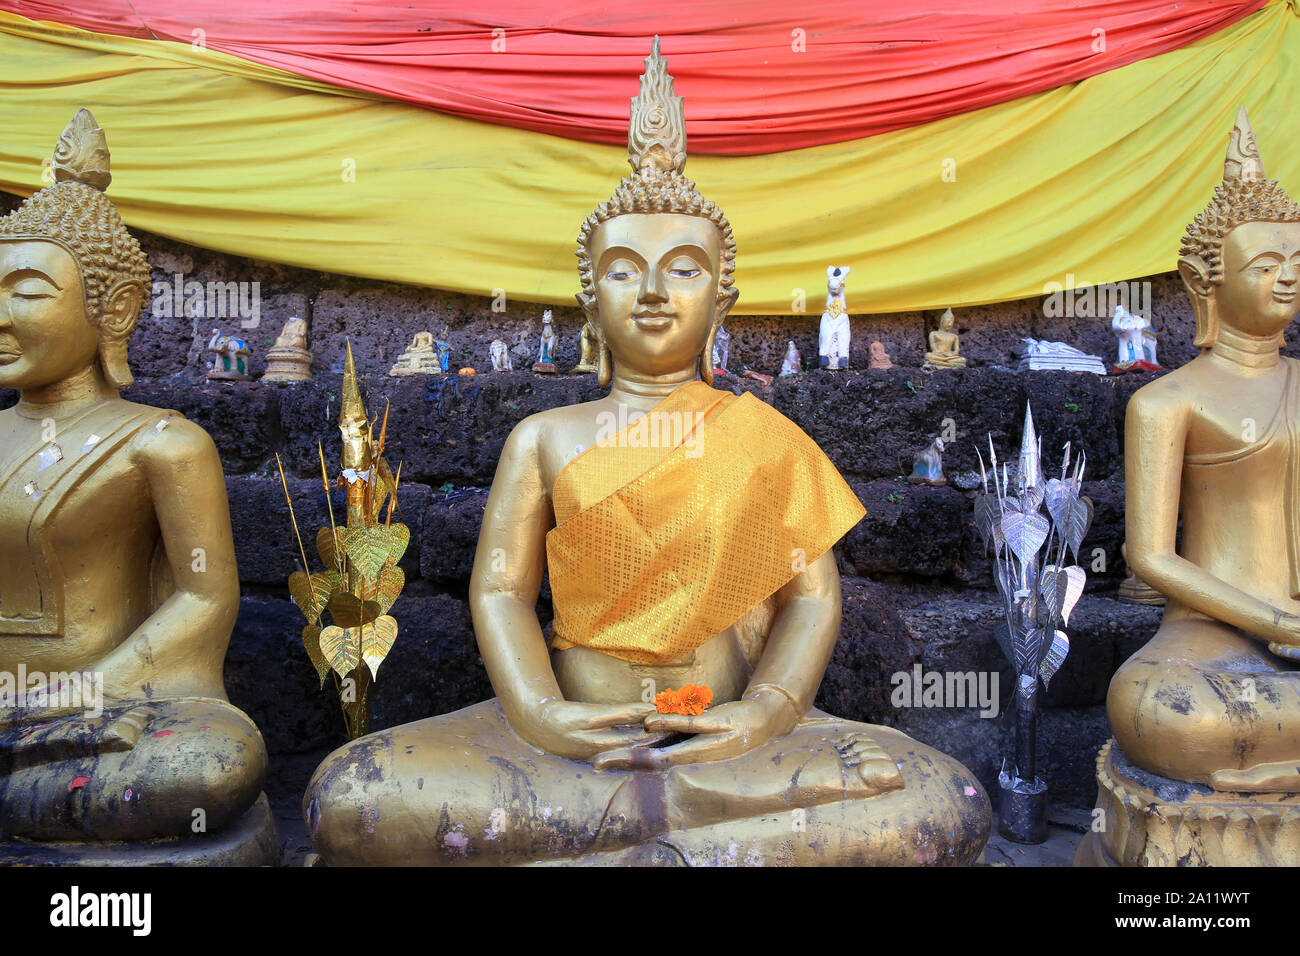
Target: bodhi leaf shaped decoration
x=1025 y=534
x=370 y=548
x=1061 y=589
x=376 y=641
x=312 y=592
x=327 y=544
x=348 y=610
x=1078 y=521
x=388 y=588
x=311 y=641
x=1054 y=657
x=1032 y=498
x=1029 y=649
x=986 y=521
x=1057 y=495
x=342 y=648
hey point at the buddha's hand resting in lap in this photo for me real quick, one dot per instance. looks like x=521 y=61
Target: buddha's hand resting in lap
x=721 y=732
x=580 y=731
x=1286 y=635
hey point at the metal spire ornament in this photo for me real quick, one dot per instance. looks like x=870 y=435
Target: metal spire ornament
x=1029 y=524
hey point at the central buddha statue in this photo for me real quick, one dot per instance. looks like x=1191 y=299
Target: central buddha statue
x=118 y=588
x=1205 y=765
x=690 y=547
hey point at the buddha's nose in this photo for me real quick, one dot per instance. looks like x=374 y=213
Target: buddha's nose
x=652 y=287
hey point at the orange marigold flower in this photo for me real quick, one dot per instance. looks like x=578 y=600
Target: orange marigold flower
x=691 y=700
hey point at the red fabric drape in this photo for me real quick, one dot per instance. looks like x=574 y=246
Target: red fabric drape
x=864 y=67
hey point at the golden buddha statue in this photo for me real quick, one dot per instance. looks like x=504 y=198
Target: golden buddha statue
x=945 y=345
x=1212 y=702
x=420 y=358
x=118 y=589
x=288 y=359
x=669 y=567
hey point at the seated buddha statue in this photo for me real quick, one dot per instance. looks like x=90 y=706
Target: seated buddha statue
x=420 y=358
x=288 y=360
x=118 y=589
x=689 y=555
x=1212 y=701
x=945 y=345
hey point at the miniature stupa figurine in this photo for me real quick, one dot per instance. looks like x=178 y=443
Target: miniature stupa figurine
x=928 y=467
x=117 y=566
x=833 y=338
x=500 y=354
x=546 y=349
x=721 y=351
x=288 y=359
x=230 y=357
x=1137 y=343
x=586 y=350
x=1203 y=766
x=877 y=356
x=792 y=364
x=1057 y=356
x=420 y=358
x=659 y=594
x=945 y=345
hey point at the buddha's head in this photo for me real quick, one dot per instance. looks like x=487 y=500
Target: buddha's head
x=656 y=260
x=72 y=279
x=1240 y=257
x=946 y=321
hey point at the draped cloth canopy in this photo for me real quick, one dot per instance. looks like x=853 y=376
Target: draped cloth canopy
x=953 y=153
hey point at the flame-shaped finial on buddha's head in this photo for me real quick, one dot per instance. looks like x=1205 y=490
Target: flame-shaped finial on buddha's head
x=1245 y=195
x=75 y=214
x=657 y=154
x=656 y=136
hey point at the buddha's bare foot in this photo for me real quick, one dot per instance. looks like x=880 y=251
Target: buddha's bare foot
x=1282 y=776
x=876 y=768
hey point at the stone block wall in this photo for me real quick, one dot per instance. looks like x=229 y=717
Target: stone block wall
x=917 y=586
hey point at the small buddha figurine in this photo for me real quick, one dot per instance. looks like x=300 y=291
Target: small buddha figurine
x=117 y=566
x=721 y=351
x=833 y=339
x=546 y=349
x=734 y=591
x=944 y=345
x=928 y=467
x=792 y=364
x=420 y=358
x=1212 y=702
x=230 y=357
x=1133 y=590
x=500 y=354
x=586 y=350
x=878 y=357
x=288 y=359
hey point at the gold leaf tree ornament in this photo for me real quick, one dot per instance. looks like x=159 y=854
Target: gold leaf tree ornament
x=361 y=580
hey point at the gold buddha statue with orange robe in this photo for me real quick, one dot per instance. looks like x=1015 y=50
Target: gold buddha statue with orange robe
x=687 y=532
x=1205 y=765
x=118 y=588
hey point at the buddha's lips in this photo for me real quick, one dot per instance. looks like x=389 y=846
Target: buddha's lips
x=653 y=320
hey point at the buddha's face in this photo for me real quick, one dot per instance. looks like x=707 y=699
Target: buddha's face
x=656 y=281
x=1261 y=262
x=45 y=337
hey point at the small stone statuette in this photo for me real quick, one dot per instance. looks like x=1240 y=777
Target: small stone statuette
x=420 y=358
x=928 y=467
x=793 y=364
x=288 y=359
x=1059 y=357
x=879 y=358
x=1137 y=343
x=721 y=350
x=945 y=346
x=588 y=350
x=230 y=358
x=546 y=352
x=501 y=357
x=833 y=340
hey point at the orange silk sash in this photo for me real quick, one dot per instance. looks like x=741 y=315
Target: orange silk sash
x=670 y=530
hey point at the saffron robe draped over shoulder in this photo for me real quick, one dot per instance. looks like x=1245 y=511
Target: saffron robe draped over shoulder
x=670 y=530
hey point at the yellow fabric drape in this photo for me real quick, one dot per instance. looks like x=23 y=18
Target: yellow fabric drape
x=681 y=523
x=1096 y=179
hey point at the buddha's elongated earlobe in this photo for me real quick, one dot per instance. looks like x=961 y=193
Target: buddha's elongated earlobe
x=116 y=323
x=605 y=362
x=706 y=357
